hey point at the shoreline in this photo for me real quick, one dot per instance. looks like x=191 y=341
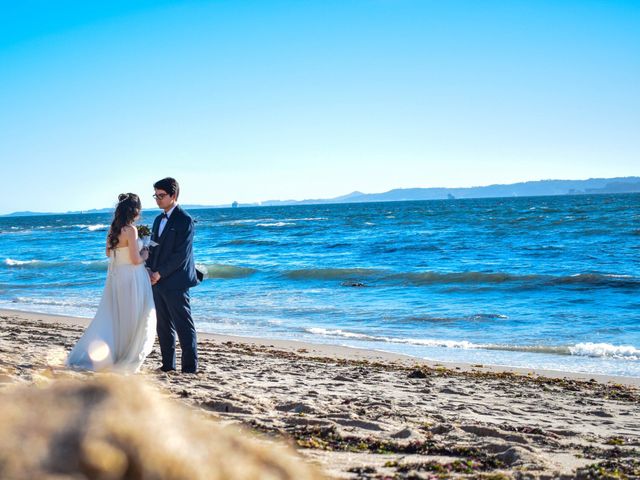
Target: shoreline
x=310 y=349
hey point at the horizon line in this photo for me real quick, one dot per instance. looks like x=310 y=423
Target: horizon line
x=343 y=198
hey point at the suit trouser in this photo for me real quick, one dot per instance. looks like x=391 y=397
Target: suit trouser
x=173 y=312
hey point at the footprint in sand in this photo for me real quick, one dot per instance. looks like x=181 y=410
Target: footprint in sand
x=600 y=413
x=294 y=407
x=451 y=391
x=306 y=421
x=224 y=407
x=359 y=424
x=482 y=431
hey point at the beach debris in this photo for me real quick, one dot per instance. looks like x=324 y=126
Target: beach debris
x=353 y=284
x=417 y=373
x=366 y=469
x=610 y=469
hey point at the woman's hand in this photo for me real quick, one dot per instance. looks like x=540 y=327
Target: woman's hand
x=144 y=253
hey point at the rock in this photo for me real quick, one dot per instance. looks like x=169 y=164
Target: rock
x=119 y=428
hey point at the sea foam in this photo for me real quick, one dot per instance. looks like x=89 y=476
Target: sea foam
x=606 y=350
x=16 y=263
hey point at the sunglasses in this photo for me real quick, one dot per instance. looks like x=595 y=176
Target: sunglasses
x=160 y=196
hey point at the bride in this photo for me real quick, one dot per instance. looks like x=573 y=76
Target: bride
x=122 y=332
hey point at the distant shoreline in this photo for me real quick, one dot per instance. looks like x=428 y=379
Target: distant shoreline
x=537 y=188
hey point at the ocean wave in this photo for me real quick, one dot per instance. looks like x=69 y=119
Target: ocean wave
x=476 y=317
x=597 y=279
x=275 y=224
x=375 y=338
x=52 y=301
x=226 y=271
x=421 y=247
x=97 y=265
x=605 y=350
x=361 y=274
x=10 y=262
x=472 y=278
x=337 y=245
x=536 y=248
x=39 y=228
x=248 y=241
x=92 y=228
x=269 y=222
x=545 y=209
x=340 y=333
x=427 y=319
x=212 y=270
x=244 y=221
x=552 y=349
x=427 y=278
x=16 y=231
x=487 y=316
x=597 y=350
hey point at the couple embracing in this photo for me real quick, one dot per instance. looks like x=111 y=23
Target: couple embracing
x=146 y=291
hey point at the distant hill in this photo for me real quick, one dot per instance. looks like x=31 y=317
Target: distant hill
x=26 y=214
x=522 y=189
x=78 y=212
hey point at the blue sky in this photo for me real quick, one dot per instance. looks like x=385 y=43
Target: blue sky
x=258 y=100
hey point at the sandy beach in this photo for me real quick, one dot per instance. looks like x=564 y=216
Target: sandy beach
x=364 y=414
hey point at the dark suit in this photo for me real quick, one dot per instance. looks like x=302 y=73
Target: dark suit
x=173 y=259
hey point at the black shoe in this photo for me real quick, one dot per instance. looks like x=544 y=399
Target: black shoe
x=165 y=370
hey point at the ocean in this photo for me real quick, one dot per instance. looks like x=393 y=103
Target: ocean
x=535 y=282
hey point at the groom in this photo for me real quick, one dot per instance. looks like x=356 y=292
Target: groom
x=172 y=272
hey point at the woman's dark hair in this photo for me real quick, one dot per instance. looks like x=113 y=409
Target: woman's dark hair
x=169 y=185
x=127 y=210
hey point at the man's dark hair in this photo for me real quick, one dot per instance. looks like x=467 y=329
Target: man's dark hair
x=169 y=185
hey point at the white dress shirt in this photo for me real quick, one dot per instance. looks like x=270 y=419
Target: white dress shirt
x=164 y=220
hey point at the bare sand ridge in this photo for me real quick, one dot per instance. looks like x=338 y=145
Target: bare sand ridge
x=360 y=414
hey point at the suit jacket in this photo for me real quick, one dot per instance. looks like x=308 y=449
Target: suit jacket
x=173 y=256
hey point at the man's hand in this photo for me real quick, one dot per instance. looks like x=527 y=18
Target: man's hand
x=155 y=277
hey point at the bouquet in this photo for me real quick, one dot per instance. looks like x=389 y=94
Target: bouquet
x=145 y=235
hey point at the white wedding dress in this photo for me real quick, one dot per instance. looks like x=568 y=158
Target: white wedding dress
x=122 y=333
